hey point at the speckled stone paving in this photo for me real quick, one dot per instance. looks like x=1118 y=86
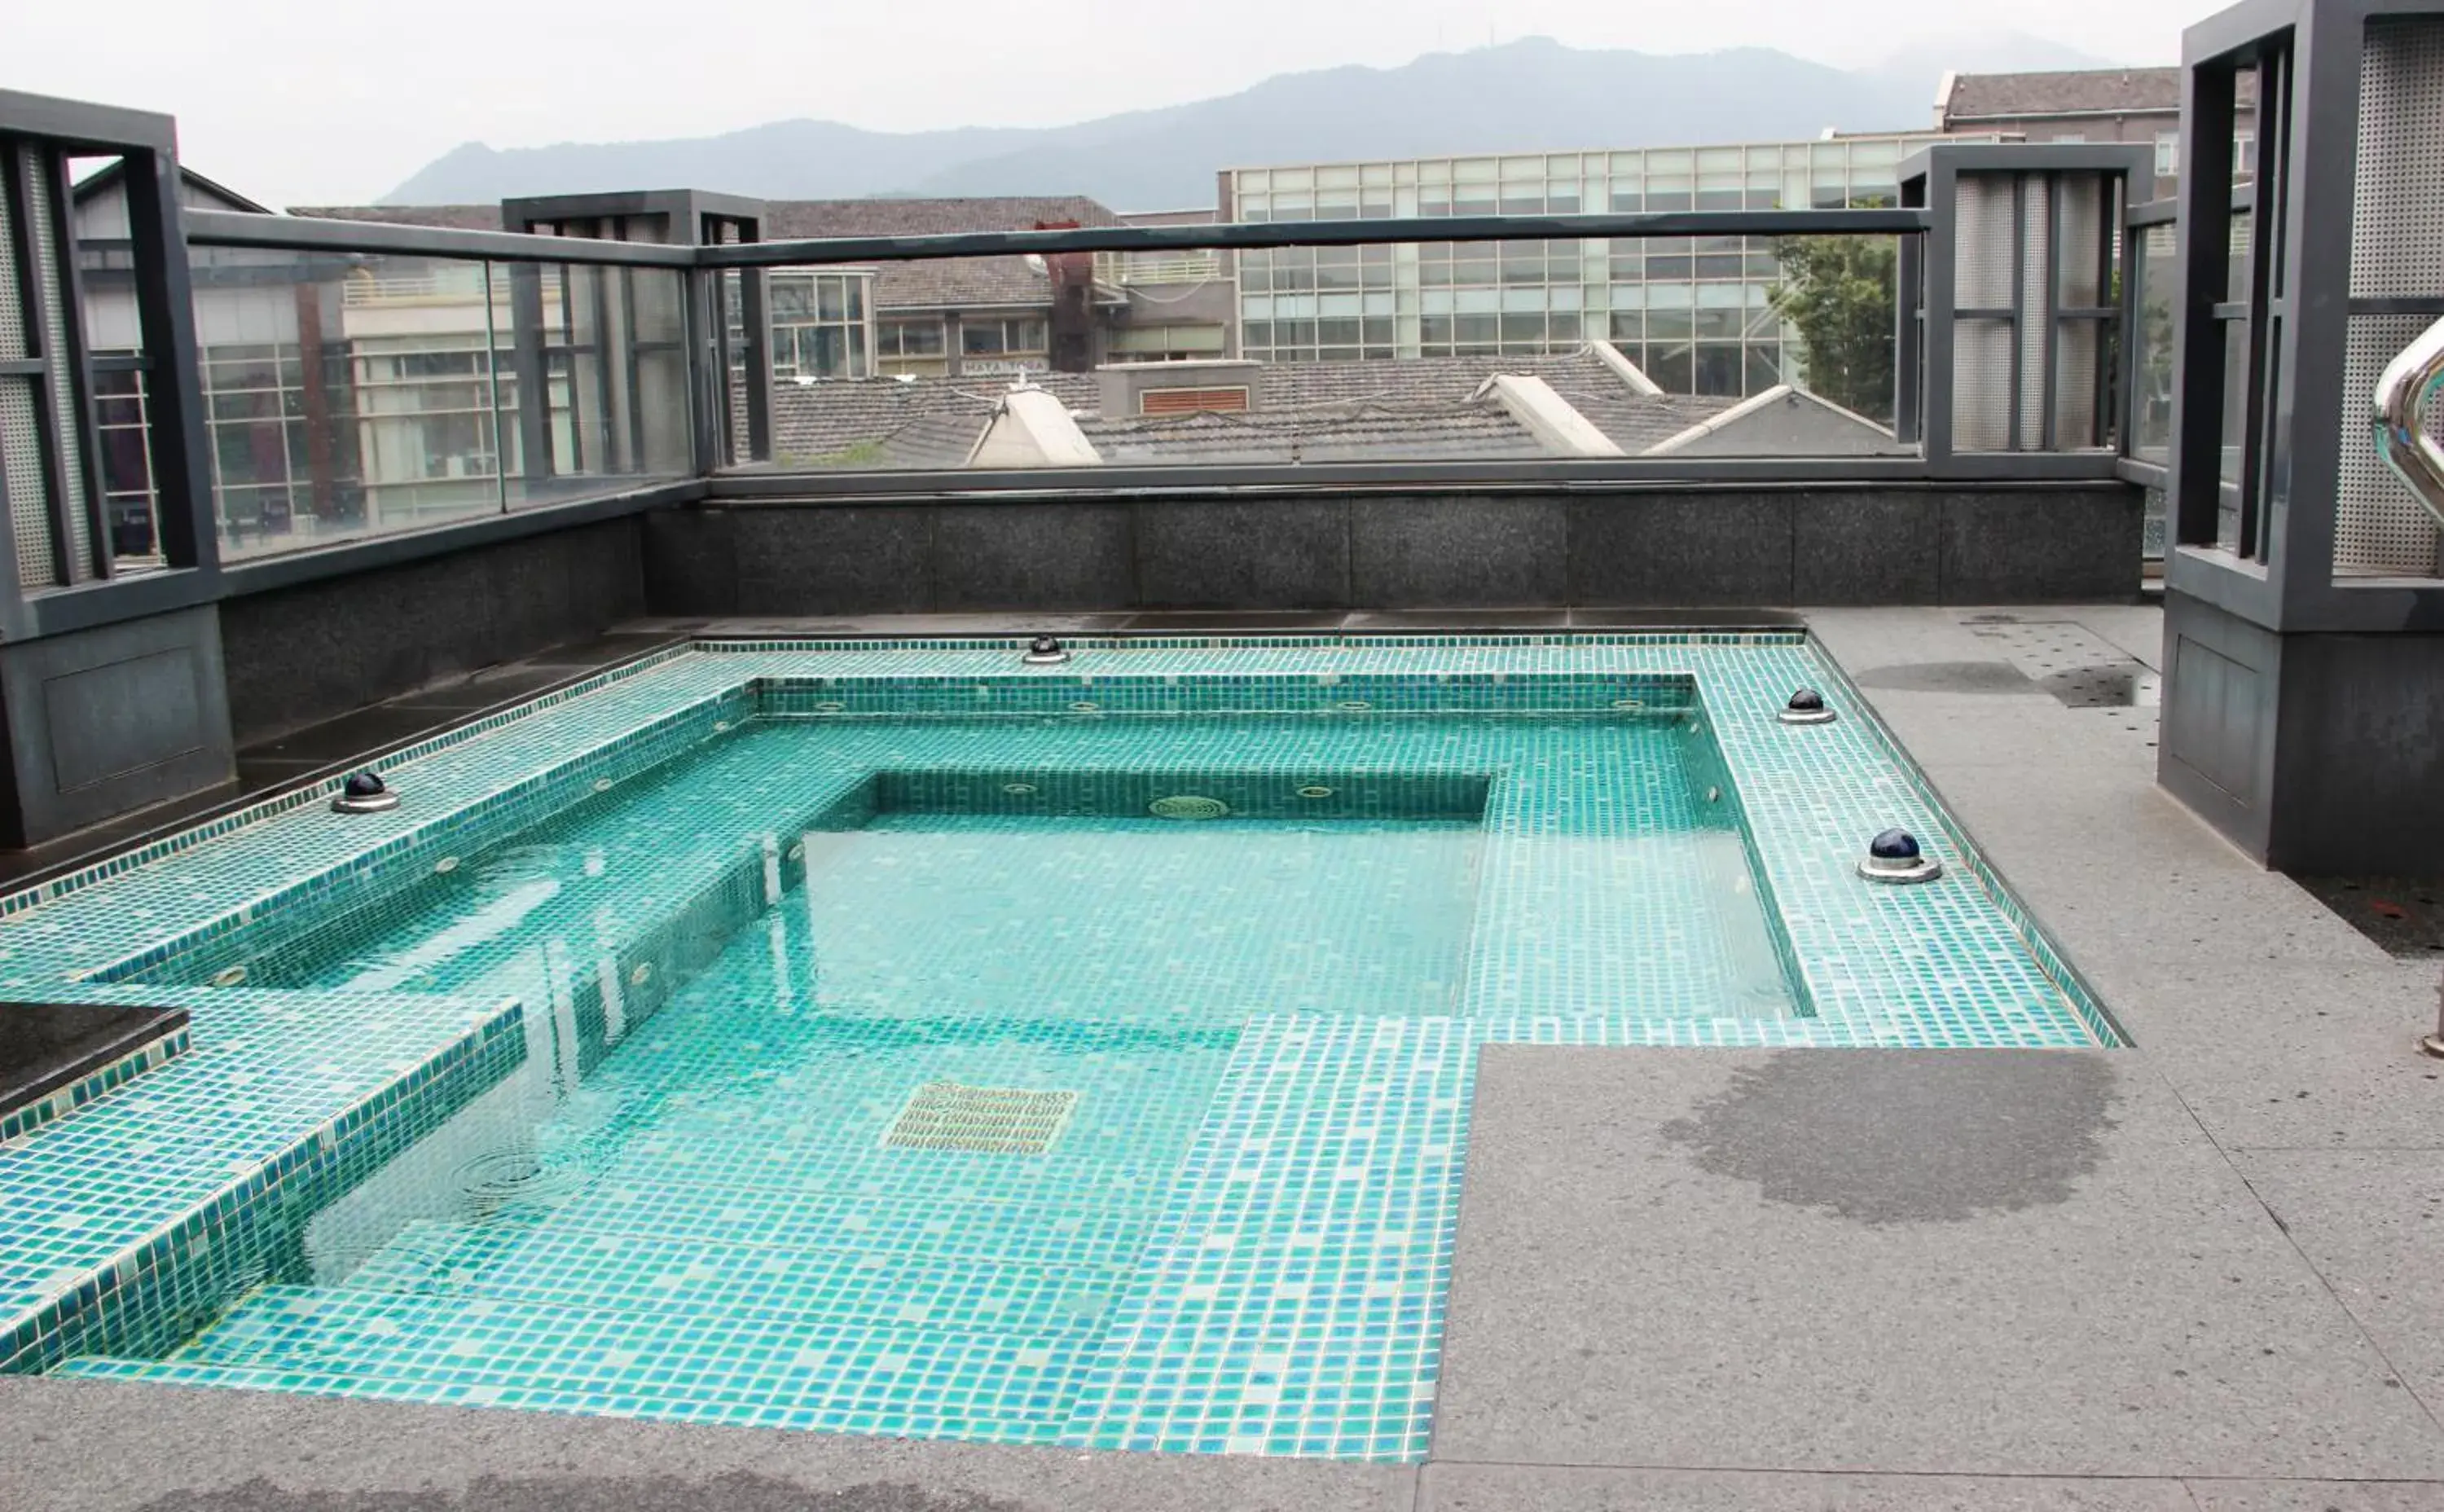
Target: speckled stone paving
x=1273 y=1283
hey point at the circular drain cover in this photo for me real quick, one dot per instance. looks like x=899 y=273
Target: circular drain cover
x=1188 y=805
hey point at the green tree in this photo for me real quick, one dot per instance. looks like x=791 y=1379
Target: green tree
x=1839 y=292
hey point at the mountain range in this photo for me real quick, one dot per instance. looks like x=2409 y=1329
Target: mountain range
x=1530 y=95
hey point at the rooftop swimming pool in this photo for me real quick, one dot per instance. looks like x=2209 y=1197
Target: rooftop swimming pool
x=891 y=1038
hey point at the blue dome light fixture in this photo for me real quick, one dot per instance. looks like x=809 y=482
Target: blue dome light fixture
x=365 y=793
x=1806 y=706
x=1895 y=856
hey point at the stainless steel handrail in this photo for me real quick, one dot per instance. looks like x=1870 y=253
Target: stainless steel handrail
x=2411 y=383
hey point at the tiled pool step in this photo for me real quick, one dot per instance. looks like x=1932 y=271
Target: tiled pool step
x=1009 y=1384
x=740 y=1161
x=660 y=1222
x=874 y=1224
x=717 y=1278
x=913 y=1414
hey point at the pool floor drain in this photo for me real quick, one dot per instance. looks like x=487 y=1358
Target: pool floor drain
x=1188 y=805
x=980 y=1120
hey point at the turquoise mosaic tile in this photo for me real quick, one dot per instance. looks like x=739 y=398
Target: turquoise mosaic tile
x=585 y=1061
x=1292 y=1300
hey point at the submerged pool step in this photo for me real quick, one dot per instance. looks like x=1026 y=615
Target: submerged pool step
x=708 y=1278
x=881 y=1224
x=986 y=1421
x=1045 y=1233
x=759 y=1173
x=1018 y=1382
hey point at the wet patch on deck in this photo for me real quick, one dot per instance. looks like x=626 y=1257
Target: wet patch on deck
x=1907 y=1139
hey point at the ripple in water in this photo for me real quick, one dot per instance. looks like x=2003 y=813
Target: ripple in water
x=515 y=1179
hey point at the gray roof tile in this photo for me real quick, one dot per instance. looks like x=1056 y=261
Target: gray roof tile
x=1306 y=411
x=448 y=218
x=955 y=282
x=1355 y=432
x=2012 y=96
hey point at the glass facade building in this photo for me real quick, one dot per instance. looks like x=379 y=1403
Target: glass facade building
x=1694 y=313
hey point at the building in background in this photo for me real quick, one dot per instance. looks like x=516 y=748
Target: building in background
x=248 y=397
x=371 y=396
x=964 y=316
x=1695 y=314
x=2100 y=104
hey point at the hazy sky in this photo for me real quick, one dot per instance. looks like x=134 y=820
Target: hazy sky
x=299 y=103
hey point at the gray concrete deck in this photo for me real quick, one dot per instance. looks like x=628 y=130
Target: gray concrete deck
x=2197 y=1274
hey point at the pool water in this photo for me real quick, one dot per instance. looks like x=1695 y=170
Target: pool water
x=875 y=1069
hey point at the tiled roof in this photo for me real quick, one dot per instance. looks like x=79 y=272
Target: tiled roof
x=788 y=219
x=951 y=283
x=2012 y=96
x=448 y=218
x=957 y=283
x=1306 y=412
x=1638 y=421
x=1632 y=421
x=1353 y=433
x=1420 y=380
x=813 y=422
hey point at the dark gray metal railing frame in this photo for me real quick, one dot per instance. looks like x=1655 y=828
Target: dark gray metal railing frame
x=2292 y=589
x=1931 y=176
x=1912 y=222
x=197 y=576
x=178 y=457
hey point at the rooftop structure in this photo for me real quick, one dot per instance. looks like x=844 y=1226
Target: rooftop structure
x=2090 y=104
x=950 y=317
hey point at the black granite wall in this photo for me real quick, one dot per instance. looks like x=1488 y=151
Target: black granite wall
x=1658 y=548
x=2316 y=753
x=297 y=655
x=104 y=721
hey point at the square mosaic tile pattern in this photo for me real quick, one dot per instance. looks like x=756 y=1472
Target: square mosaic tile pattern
x=1280 y=1290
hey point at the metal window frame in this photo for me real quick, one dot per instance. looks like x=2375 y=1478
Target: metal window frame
x=83 y=591
x=2293 y=446
x=1931 y=177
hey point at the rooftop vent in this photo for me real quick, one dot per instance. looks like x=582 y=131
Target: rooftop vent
x=1189 y=401
x=1130 y=390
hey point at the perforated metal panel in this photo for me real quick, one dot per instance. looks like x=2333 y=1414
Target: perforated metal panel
x=1981 y=269
x=1982 y=278
x=2398 y=203
x=2076 y=344
x=51 y=279
x=2396 y=250
x=2082 y=263
x=2378 y=529
x=1981 y=385
x=20 y=437
x=2081 y=281
x=13 y=323
x=2037 y=227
